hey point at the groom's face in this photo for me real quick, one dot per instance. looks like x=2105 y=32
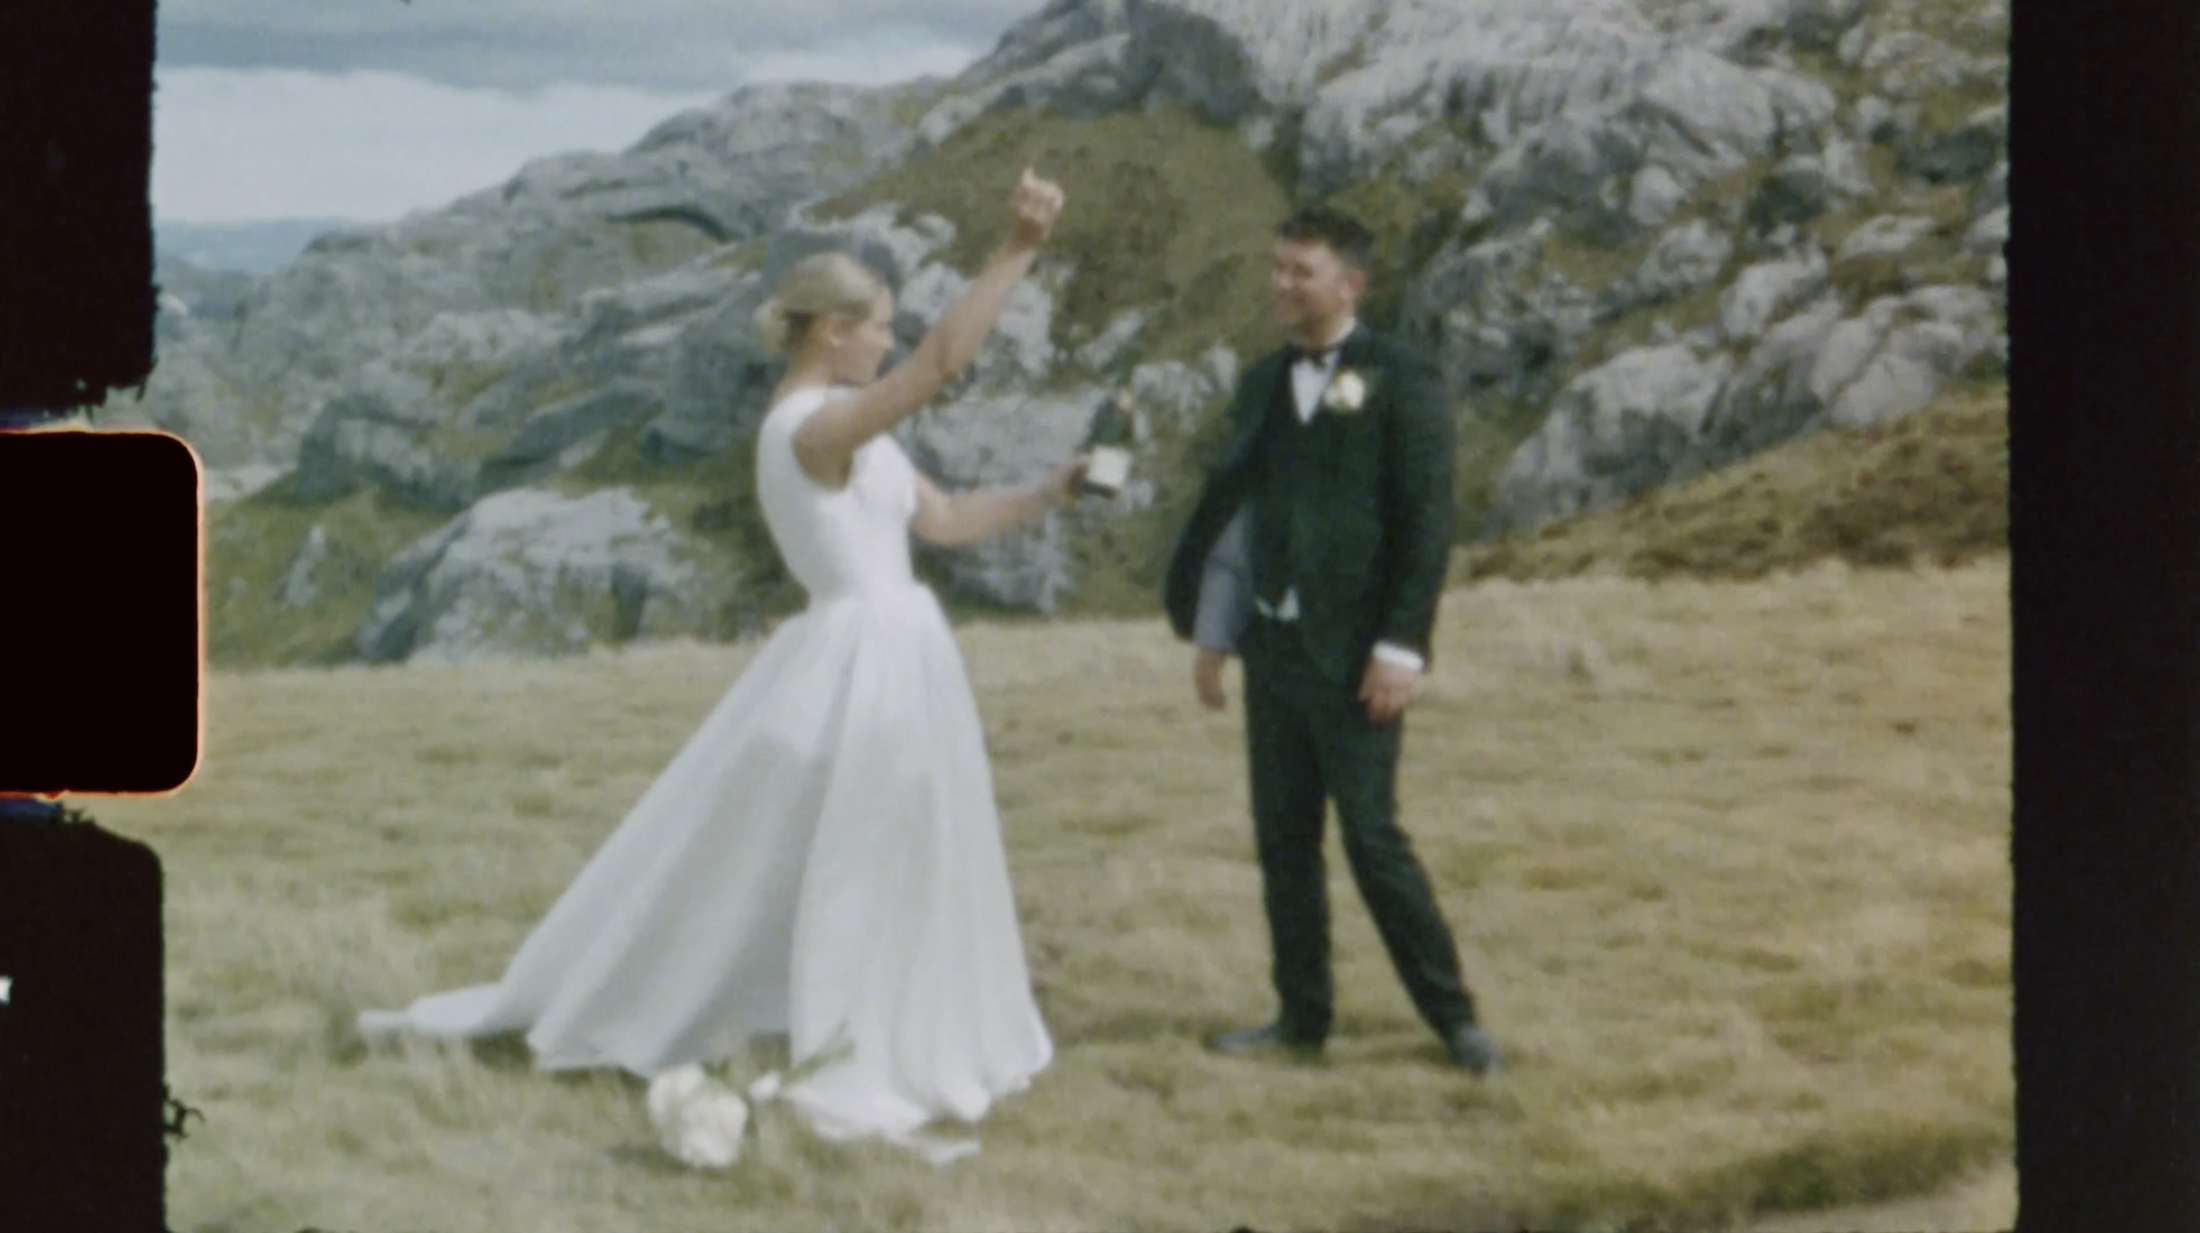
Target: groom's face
x=1313 y=289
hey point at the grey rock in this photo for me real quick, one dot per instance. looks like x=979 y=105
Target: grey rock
x=381 y=433
x=498 y=341
x=1744 y=31
x=1060 y=26
x=1703 y=339
x=1907 y=65
x=1848 y=175
x=1818 y=25
x=1886 y=236
x=219 y=484
x=1019 y=351
x=1766 y=292
x=556 y=230
x=1568 y=170
x=715 y=380
x=1966 y=152
x=1769 y=399
x=1084 y=79
x=1849 y=50
x=1617 y=430
x=1910 y=368
x=1881 y=122
x=1654 y=196
x=563 y=434
x=1848 y=350
x=1974 y=313
x=301 y=583
x=646 y=331
x=1991 y=231
x=1360 y=84
x=1797 y=191
x=1899 y=378
x=1114 y=342
x=1819 y=369
x=894 y=251
x=529 y=572
x=1685 y=259
x=1183 y=394
x=1500 y=322
x=471 y=341
x=1707 y=116
x=1993 y=191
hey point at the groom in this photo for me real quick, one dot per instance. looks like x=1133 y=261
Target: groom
x=1317 y=552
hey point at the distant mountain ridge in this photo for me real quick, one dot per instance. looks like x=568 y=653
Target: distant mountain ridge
x=243 y=248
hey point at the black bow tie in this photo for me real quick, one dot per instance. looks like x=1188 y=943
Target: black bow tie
x=1320 y=357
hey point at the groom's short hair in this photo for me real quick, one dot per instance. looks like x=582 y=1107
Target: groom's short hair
x=1345 y=235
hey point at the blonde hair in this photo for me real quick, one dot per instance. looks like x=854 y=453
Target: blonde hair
x=828 y=284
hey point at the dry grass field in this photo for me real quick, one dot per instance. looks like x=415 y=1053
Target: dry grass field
x=1714 y=786
x=1727 y=860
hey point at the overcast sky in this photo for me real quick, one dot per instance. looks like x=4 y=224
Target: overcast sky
x=367 y=109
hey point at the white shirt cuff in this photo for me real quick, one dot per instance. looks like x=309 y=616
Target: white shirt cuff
x=1391 y=653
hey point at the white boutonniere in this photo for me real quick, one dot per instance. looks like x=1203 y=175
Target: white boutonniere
x=1347 y=393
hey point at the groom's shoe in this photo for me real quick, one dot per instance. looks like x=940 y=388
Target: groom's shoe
x=1473 y=1051
x=1270 y=1039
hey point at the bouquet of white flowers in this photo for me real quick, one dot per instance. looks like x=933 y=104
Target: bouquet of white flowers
x=699 y=1119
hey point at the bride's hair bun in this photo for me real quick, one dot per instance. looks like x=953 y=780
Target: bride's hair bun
x=827 y=284
x=773 y=329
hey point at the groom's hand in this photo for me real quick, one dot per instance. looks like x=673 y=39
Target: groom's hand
x=1207 y=678
x=1387 y=690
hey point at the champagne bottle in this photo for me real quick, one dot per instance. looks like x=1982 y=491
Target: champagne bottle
x=1109 y=440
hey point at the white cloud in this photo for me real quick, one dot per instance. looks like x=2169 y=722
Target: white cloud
x=232 y=146
x=237 y=145
x=878 y=60
x=666 y=45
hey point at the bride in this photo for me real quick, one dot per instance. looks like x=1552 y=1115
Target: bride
x=823 y=858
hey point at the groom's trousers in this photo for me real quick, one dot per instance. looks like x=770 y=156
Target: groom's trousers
x=1310 y=741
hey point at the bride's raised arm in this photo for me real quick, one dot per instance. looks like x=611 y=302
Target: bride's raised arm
x=828 y=440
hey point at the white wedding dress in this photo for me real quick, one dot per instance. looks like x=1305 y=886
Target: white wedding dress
x=823 y=857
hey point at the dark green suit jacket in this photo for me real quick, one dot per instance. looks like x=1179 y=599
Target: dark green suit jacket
x=1370 y=518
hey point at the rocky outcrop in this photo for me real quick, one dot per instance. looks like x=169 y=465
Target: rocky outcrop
x=535 y=245
x=1504 y=322
x=1656 y=415
x=1767 y=292
x=383 y=433
x=1615 y=431
x=323 y=565
x=1642 y=238
x=532 y=572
